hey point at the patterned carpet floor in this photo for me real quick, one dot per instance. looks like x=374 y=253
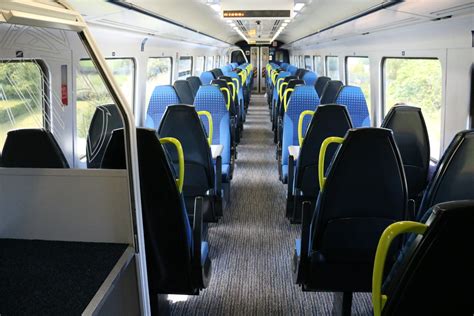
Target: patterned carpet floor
x=252 y=245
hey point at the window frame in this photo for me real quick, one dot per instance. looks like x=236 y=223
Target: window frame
x=46 y=87
x=322 y=62
x=326 y=65
x=171 y=67
x=203 y=64
x=192 y=63
x=442 y=109
x=310 y=60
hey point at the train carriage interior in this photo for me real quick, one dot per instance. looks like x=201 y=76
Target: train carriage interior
x=218 y=157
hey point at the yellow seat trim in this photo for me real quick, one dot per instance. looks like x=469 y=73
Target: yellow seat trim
x=179 y=149
x=300 y=125
x=322 y=157
x=211 y=125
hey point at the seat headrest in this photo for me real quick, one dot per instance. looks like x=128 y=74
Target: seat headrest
x=289 y=78
x=353 y=98
x=206 y=77
x=320 y=84
x=195 y=83
x=184 y=91
x=300 y=73
x=226 y=78
x=331 y=91
x=293 y=83
x=161 y=97
x=309 y=78
x=220 y=82
x=106 y=118
x=454 y=175
x=32 y=148
x=217 y=72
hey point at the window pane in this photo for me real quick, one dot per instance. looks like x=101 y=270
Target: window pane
x=318 y=65
x=21 y=96
x=358 y=74
x=416 y=82
x=199 y=65
x=185 y=67
x=218 y=61
x=307 y=63
x=123 y=70
x=332 y=67
x=210 y=63
x=159 y=72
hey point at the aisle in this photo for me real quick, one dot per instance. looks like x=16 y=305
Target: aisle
x=252 y=245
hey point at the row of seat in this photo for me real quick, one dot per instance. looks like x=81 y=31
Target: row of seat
x=349 y=185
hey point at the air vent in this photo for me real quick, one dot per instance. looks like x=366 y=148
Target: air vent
x=241 y=26
x=276 y=25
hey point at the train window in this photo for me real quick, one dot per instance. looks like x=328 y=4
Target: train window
x=200 y=62
x=308 y=63
x=185 y=67
x=21 y=96
x=358 y=74
x=416 y=82
x=318 y=65
x=332 y=67
x=210 y=63
x=159 y=72
x=218 y=61
x=301 y=62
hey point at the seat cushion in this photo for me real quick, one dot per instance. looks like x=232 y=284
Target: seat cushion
x=204 y=252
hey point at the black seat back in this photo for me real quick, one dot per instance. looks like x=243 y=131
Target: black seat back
x=168 y=238
x=435 y=277
x=32 y=148
x=195 y=83
x=454 y=175
x=330 y=91
x=221 y=83
x=217 y=72
x=106 y=118
x=300 y=73
x=411 y=136
x=328 y=120
x=184 y=91
x=320 y=84
x=199 y=169
x=365 y=191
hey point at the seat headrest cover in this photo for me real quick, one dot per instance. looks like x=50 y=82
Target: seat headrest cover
x=195 y=83
x=293 y=83
x=320 y=84
x=184 y=91
x=106 y=118
x=206 y=77
x=32 y=148
x=162 y=97
x=353 y=98
x=289 y=78
x=331 y=91
x=309 y=78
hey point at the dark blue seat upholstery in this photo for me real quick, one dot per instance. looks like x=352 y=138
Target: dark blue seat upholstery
x=328 y=121
x=310 y=78
x=303 y=98
x=195 y=83
x=300 y=73
x=353 y=98
x=331 y=91
x=410 y=133
x=209 y=98
x=161 y=97
x=184 y=91
x=200 y=179
x=365 y=191
x=437 y=266
x=177 y=258
x=454 y=175
x=106 y=118
x=320 y=84
x=32 y=148
x=206 y=77
x=217 y=72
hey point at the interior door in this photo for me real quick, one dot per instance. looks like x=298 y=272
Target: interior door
x=264 y=58
x=255 y=61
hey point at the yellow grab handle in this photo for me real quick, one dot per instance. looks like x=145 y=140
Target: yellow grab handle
x=234 y=89
x=389 y=234
x=285 y=97
x=179 y=149
x=228 y=97
x=300 y=125
x=211 y=125
x=236 y=82
x=322 y=156
x=280 y=93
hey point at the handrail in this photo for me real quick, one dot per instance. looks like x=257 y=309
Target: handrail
x=322 y=156
x=179 y=149
x=300 y=125
x=210 y=123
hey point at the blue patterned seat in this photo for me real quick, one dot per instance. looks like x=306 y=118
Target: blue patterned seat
x=206 y=77
x=353 y=98
x=210 y=98
x=161 y=97
x=240 y=93
x=276 y=89
x=310 y=78
x=303 y=98
x=292 y=69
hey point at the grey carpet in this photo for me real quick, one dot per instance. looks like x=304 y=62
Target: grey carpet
x=252 y=245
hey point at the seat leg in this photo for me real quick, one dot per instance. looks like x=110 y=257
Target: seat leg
x=342 y=304
x=160 y=305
